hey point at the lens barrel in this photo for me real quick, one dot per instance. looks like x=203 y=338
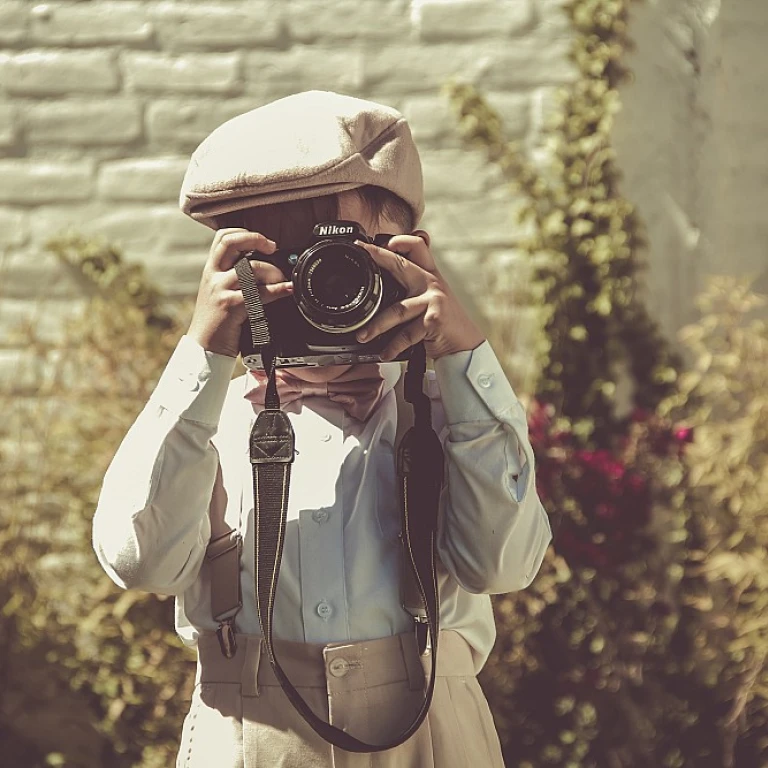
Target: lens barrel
x=337 y=286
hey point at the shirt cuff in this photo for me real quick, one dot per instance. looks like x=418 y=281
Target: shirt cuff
x=194 y=383
x=473 y=387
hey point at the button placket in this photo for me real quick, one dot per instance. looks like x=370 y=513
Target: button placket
x=320 y=513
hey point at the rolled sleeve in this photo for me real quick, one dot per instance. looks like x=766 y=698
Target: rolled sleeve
x=475 y=392
x=194 y=384
x=474 y=387
x=151 y=526
x=493 y=531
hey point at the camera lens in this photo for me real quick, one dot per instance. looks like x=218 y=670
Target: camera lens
x=337 y=286
x=336 y=281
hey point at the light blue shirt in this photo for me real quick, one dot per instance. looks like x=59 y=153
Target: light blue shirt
x=339 y=579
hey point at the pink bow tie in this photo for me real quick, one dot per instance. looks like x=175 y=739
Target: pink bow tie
x=358 y=391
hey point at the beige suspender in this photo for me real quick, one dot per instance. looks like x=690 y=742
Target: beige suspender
x=223 y=557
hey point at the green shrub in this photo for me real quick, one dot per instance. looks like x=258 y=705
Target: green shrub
x=96 y=675
x=642 y=641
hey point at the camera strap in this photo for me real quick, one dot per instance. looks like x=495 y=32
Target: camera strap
x=420 y=477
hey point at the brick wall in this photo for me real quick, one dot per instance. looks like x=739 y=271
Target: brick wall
x=102 y=102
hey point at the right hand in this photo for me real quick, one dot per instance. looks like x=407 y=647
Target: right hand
x=220 y=308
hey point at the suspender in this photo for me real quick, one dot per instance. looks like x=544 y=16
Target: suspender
x=419 y=469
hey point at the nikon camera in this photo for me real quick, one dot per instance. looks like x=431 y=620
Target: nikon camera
x=337 y=289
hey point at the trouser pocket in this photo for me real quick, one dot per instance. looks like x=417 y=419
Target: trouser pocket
x=212 y=734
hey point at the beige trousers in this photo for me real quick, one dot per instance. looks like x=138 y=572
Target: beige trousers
x=240 y=716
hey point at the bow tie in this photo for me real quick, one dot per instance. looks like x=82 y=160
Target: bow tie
x=358 y=391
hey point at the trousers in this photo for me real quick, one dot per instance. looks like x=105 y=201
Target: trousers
x=240 y=718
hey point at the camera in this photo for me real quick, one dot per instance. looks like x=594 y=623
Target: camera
x=337 y=289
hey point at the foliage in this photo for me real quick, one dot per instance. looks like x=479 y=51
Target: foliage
x=643 y=640
x=625 y=651
x=586 y=238
x=724 y=397
x=78 y=693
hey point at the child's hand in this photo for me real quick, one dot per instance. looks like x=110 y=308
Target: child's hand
x=430 y=312
x=220 y=309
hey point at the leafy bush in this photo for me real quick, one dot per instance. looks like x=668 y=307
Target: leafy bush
x=724 y=398
x=95 y=675
x=625 y=651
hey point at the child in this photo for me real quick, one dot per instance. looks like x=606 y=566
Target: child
x=263 y=180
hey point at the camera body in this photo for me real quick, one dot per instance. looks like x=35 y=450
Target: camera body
x=337 y=289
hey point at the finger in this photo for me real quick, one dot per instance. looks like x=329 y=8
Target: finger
x=268 y=291
x=408 y=335
x=275 y=291
x=398 y=313
x=268 y=294
x=416 y=247
x=263 y=274
x=226 y=231
x=231 y=245
x=410 y=276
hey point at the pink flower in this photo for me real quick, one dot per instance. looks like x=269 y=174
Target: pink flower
x=684 y=434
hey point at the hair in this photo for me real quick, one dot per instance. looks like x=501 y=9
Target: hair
x=291 y=223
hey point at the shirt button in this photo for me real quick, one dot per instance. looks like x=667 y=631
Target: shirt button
x=203 y=375
x=485 y=380
x=338 y=667
x=324 y=610
x=325 y=437
x=320 y=516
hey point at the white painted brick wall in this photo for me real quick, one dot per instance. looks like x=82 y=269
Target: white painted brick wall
x=379 y=24
x=181 y=124
x=26 y=182
x=471 y=19
x=80 y=122
x=102 y=102
x=156 y=178
x=148 y=72
x=14 y=228
x=215 y=26
x=84 y=24
x=54 y=72
x=13 y=22
x=7 y=125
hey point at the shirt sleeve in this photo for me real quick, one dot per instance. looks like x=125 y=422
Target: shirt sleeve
x=493 y=530
x=151 y=525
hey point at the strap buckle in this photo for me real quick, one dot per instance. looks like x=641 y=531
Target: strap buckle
x=227 y=637
x=421 y=627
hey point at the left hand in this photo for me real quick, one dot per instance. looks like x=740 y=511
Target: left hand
x=430 y=312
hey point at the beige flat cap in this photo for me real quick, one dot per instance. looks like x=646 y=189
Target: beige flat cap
x=306 y=145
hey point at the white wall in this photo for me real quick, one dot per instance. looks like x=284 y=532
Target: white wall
x=693 y=145
x=102 y=102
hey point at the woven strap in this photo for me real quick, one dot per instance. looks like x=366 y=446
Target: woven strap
x=420 y=463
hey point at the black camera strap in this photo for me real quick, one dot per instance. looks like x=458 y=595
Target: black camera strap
x=420 y=474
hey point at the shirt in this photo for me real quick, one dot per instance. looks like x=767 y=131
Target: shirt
x=339 y=577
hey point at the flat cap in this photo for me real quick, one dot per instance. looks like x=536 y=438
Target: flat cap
x=305 y=145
